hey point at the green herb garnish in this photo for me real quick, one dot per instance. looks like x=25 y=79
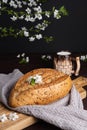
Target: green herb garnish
x=32 y=81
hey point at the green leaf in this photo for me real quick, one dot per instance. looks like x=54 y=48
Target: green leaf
x=46 y=22
x=53 y=8
x=85 y=60
x=32 y=81
x=4 y=30
x=22 y=61
x=63 y=11
x=48 y=39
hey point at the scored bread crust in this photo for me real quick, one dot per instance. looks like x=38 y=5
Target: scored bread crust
x=55 y=85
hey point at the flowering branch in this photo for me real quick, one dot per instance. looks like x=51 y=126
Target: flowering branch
x=28 y=18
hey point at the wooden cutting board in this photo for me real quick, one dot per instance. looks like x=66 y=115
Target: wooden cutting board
x=79 y=83
x=24 y=121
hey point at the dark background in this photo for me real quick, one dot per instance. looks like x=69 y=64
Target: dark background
x=69 y=32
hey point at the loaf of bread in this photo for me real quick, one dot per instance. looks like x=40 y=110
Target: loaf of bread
x=40 y=86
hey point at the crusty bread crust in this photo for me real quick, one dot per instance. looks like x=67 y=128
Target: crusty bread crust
x=55 y=86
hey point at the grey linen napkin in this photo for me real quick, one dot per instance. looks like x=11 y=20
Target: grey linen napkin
x=67 y=113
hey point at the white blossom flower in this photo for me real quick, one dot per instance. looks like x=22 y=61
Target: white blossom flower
x=24 y=28
x=38 y=9
x=41 y=26
x=32 y=19
x=28 y=10
x=28 y=18
x=47 y=13
x=38 y=36
x=46 y=57
x=44 y=24
x=38 y=16
x=19 y=5
x=21 y=17
x=35 y=4
x=43 y=56
x=18 y=56
x=3 y=118
x=4 y=1
x=24 y=2
x=83 y=57
x=38 y=26
x=14 y=18
x=56 y=14
x=49 y=57
x=37 y=78
x=23 y=54
x=32 y=3
x=13 y=116
x=27 y=59
x=31 y=39
x=0 y=7
x=19 y=2
x=26 y=33
x=12 y=4
x=15 y=6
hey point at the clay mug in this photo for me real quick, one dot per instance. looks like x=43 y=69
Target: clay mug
x=64 y=62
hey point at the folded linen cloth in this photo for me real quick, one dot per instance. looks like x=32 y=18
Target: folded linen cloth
x=67 y=113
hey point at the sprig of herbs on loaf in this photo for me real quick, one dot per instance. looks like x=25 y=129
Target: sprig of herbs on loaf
x=36 y=79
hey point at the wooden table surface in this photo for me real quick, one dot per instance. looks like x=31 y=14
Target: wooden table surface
x=9 y=62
